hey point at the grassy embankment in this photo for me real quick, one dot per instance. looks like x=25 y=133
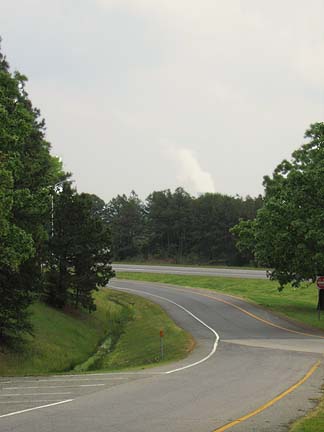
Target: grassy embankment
x=125 y=328
x=297 y=304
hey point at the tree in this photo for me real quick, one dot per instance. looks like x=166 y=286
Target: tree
x=126 y=219
x=27 y=170
x=92 y=252
x=169 y=219
x=244 y=235
x=159 y=221
x=182 y=223
x=80 y=250
x=214 y=215
x=288 y=231
x=16 y=246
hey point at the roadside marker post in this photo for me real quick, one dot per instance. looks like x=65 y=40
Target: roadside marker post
x=161 y=344
x=320 y=287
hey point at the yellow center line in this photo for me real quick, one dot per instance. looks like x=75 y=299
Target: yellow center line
x=271 y=402
x=262 y=319
x=252 y=315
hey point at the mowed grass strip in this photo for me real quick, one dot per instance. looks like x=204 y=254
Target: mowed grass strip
x=295 y=303
x=64 y=339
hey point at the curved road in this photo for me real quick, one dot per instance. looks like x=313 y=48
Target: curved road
x=244 y=359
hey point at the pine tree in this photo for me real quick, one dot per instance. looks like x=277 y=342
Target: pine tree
x=27 y=172
x=80 y=250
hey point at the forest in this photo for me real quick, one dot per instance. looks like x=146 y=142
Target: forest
x=176 y=227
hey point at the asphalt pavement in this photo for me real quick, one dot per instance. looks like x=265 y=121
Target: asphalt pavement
x=249 y=367
x=199 y=271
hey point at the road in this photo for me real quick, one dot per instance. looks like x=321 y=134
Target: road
x=198 y=271
x=249 y=367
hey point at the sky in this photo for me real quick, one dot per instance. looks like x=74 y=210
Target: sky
x=147 y=95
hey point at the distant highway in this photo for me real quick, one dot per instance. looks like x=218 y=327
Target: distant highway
x=250 y=372
x=199 y=271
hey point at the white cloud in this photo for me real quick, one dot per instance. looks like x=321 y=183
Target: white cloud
x=189 y=172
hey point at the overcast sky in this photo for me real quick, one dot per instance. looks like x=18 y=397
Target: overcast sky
x=148 y=94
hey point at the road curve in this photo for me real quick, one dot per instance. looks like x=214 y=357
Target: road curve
x=258 y=358
x=198 y=271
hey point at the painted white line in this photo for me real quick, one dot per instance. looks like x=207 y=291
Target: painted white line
x=28 y=402
x=104 y=375
x=91 y=385
x=48 y=387
x=72 y=380
x=212 y=352
x=36 y=408
x=107 y=374
x=33 y=394
x=78 y=379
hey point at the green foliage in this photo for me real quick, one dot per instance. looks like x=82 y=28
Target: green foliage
x=27 y=170
x=169 y=218
x=14 y=315
x=288 y=230
x=16 y=245
x=214 y=216
x=80 y=254
x=176 y=227
x=125 y=216
x=244 y=233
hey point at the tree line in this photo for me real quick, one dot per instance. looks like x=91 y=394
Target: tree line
x=177 y=227
x=54 y=243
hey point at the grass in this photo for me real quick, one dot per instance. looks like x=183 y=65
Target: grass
x=313 y=422
x=298 y=304
x=61 y=340
x=139 y=344
x=125 y=327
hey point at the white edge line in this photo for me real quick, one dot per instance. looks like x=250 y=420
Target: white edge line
x=24 y=401
x=56 y=386
x=32 y=394
x=36 y=408
x=191 y=314
x=91 y=385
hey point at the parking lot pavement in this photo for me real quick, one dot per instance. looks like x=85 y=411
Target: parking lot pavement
x=19 y=394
